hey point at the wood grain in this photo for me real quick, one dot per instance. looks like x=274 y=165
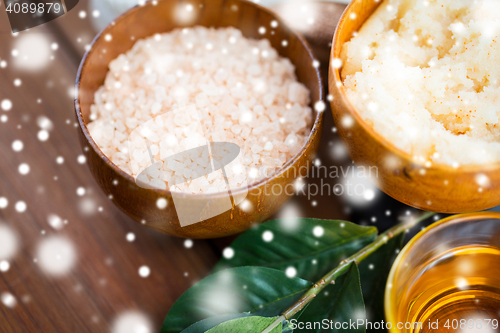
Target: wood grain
x=105 y=280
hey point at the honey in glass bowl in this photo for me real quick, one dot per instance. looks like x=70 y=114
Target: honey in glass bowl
x=447 y=279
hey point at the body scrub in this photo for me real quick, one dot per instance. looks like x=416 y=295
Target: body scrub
x=425 y=76
x=194 y=86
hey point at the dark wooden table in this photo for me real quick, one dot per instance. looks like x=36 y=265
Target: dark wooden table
x=104 y=281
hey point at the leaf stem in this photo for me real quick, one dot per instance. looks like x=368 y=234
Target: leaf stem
x=277 y=322
x=344 y=265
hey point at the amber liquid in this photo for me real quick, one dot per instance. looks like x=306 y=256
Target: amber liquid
x=459 y=290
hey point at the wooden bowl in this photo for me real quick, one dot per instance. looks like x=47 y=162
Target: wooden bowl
x=439 y=188
x=158 y=17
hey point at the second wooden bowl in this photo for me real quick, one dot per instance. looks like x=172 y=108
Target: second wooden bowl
x=163 y=16
x=439 y=188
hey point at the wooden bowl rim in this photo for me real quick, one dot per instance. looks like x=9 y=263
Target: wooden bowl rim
x=315 y=127
x=335 y=73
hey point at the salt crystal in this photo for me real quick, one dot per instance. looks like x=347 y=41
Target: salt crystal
x=201 y=100
x=158 y=184
x=154 y=149
x=239 y=92
x=236 y=129
x=291 y=140
x=298 y=93
x=143 y=178
x=256 y=149
x=175 y=103
x=155 y=108
x=268 y=161
x=153 y=172
x=174 y=165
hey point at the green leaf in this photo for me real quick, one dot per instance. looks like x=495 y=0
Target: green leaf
x=259 y=290
x=247 y=325
x=340 y=303
x=374 y=272
x=286 y=324
x=206 y=324
x=295 y=244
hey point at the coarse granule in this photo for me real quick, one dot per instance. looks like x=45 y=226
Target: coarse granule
x=180 y=90
x=424 y=74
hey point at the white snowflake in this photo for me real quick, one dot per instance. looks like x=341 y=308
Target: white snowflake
x=144 y=271
x=56 y=255
x=132 y=322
